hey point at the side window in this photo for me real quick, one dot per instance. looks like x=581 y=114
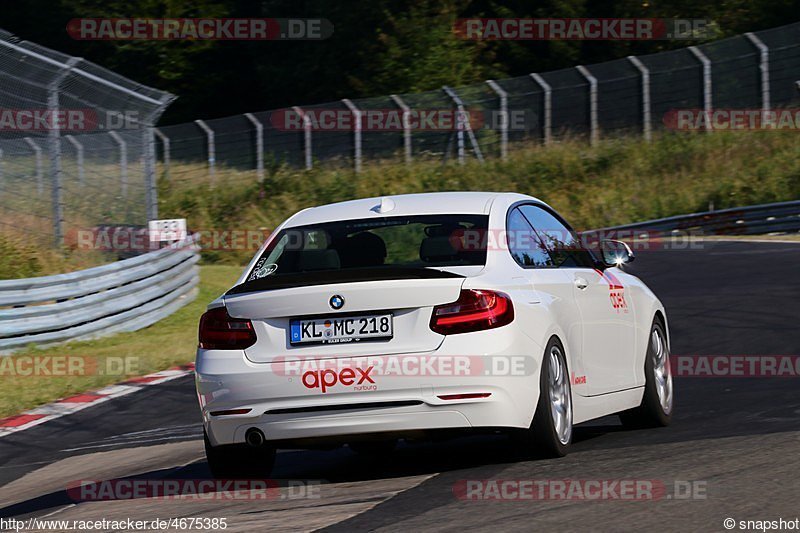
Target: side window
x=561 y=243
x=524 y=244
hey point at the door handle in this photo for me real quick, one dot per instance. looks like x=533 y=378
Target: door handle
x=581 y=283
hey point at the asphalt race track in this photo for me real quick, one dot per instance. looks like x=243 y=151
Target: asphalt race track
x=733 y=440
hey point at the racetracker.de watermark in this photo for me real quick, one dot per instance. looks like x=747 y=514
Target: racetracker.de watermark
x=583 y=29
x=733 y=119
x=474 y=490
x=199 y=29
x=366 y=368
x=67 y=120
x=89 y=490
x=397 y=120
x=735 y=366
x=140 y=239
x=68 y=365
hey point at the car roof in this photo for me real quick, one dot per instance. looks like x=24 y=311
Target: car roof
x=466 y=202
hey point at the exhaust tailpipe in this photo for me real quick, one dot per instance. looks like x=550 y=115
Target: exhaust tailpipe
x=254 y=437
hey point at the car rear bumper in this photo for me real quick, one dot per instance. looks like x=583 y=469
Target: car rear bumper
x=444 y=389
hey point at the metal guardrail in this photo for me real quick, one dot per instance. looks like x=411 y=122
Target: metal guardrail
x=782 y=217
x=136 y=292
x=122 y=296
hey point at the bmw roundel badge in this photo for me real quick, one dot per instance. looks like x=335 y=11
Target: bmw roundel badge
x=336 y=301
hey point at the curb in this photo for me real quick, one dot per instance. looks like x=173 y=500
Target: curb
x=73 y=404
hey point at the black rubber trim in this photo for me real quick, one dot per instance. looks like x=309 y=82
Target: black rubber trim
x=331 y=277
x=344 y=407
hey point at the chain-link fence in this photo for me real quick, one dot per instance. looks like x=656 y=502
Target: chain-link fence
x=630 y=96
x=102 y=170
x=76 y=144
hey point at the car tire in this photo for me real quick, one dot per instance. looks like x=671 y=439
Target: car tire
x=550 y=433
x=657 y=402
x=239 y=461
x=373 y=448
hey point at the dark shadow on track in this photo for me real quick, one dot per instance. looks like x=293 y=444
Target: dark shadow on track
x=722 y=300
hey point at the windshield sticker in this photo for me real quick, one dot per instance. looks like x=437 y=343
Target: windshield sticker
x=261 y=270
x=265 y=271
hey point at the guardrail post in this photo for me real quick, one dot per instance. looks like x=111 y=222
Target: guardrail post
x=123 y=162
x=165 y=144
x=151 y=187
x=259 y=145
x=78 y=157
x=406 y=126
x=463 y=124
x=1 y=166
x=356 y=134
x=594 y=128
x=647 y=125
x=37 y=150
x=212 y=154
x=763 y=65
x=306 y=136
x=548 y=107
x=503 y=117
x=707 y=95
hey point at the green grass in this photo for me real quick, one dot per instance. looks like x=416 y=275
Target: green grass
x=616 y=182
x=167 y=343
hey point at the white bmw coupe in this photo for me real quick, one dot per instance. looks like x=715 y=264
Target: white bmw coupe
x=408 y=316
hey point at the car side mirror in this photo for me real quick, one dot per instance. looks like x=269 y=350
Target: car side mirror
x=616 y=253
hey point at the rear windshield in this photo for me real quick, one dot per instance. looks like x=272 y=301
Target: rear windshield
x=406 y=242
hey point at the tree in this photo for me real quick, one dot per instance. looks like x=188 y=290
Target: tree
x=418 y=49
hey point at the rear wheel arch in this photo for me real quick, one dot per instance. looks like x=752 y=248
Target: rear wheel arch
x=554 y=332
x=543 y=436
x=659 y=316
x=560 y=342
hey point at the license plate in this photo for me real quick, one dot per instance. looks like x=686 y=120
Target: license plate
x=336 y=330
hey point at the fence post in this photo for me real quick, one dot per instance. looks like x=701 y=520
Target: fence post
x=707 y=103
x=463 y=125
x=306 y=136
x=56 y=174
x=548 y=107
x=151 y=187
x=38 y=155
x=78 y=157
x=406 y=126
x=594 y=129
x=259 y=145
x=503 y=117
x=647 y=125
x=165 y=144
x=764 y=67
x=459 y=131
x=1 y=167
x=55 y=162
x=212 y=153
x=356 y=134
x=123 y=161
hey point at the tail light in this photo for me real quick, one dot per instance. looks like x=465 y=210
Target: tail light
x=219 y=331
x=474 y=310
